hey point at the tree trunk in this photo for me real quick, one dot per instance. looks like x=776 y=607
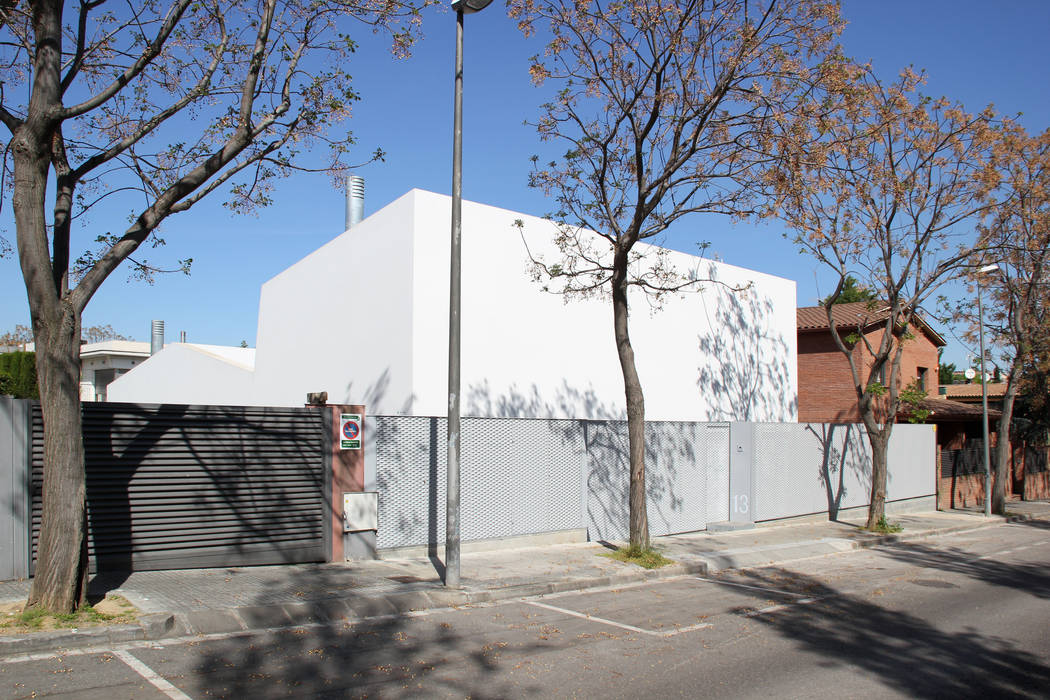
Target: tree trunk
x=639 y=520
x=60 y=579
x=1002 y=448
x=59 y=582
x=880 y=440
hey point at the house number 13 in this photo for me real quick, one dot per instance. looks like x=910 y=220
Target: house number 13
x=740 y=503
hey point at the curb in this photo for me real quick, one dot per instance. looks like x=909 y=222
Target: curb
x=158 y=626
x=150 y=626
x=766 y=556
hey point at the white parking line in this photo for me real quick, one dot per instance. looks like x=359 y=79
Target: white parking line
x=782 y=606
x=772 y=608
x=1008 y=551
x=621 y=625
x=764 y=589
x=766 y=611
x=152 y=676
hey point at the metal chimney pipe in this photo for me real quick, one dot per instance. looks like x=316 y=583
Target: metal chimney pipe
x=157 y=337
x=355 y=200
x=182 y=336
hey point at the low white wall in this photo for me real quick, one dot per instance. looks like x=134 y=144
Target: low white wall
x=184 y=374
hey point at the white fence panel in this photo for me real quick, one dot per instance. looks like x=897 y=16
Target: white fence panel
x=806 y=468
x=528 y=476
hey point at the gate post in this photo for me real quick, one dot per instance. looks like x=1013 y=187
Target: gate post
x=741 y=473
x=16 y=452
x=352 y=527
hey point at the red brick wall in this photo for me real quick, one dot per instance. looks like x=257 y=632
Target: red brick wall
x=825 y=384
x=1036 y=484
x=968 y=489
x=920 y=351
x=960 y=491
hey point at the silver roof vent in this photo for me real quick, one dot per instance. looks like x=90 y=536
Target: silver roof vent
x=157 y=337
x=355 y=200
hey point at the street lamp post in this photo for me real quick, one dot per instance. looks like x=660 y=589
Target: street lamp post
x=984 y=396
x=461 y=7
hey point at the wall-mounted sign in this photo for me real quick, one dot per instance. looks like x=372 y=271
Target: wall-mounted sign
x=349 y=431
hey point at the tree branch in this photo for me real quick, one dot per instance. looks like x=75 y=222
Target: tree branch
x=151 y=51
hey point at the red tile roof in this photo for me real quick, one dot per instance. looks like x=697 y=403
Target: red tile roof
x=946 y=409
x=973 y=391
x=853 y=315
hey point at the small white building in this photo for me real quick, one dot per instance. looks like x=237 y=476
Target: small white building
x=365 y=318
x=191 y=373
x=102 y=363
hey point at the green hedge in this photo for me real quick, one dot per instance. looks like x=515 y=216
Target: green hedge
x=18 y=375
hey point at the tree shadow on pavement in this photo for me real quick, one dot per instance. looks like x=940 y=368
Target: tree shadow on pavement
x=903 y=651
x=1032 y=578
x=377 y=653
x=1036 y=524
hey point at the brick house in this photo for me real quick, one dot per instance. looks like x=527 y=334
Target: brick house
x=826 y=395
x=825 y=385
x=971 y=394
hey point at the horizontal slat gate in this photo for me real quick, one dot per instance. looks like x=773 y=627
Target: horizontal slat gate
x=190 y=486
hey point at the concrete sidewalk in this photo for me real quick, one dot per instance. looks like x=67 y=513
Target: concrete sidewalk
x=206 y=601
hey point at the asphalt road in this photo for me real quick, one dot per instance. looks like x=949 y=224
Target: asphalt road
x=958 y=616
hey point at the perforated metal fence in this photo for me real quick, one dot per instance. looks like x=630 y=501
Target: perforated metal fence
x=521 y=476
x=517 y=477
x=676 y=477
x=913 y=462
x=813 y=468
x=716 y=460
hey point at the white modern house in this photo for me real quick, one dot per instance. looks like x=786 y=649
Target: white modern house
x=365 y=318
x=101 y=364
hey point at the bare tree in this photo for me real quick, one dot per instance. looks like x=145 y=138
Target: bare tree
x=163 y=103
x=666 y=110
x=19 y=336
x=98 y=334
x=1017 y=239
x=889 y=193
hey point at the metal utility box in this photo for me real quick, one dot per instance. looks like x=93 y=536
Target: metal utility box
x=360 y=511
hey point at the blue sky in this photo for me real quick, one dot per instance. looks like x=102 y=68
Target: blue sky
x=976 y=52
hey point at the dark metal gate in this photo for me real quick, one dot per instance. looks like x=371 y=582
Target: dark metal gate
x=194 y=486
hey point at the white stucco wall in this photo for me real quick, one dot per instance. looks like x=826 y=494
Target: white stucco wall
x=188 y=374
x=365 y=318
x=705 y=355
x=340 y=319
